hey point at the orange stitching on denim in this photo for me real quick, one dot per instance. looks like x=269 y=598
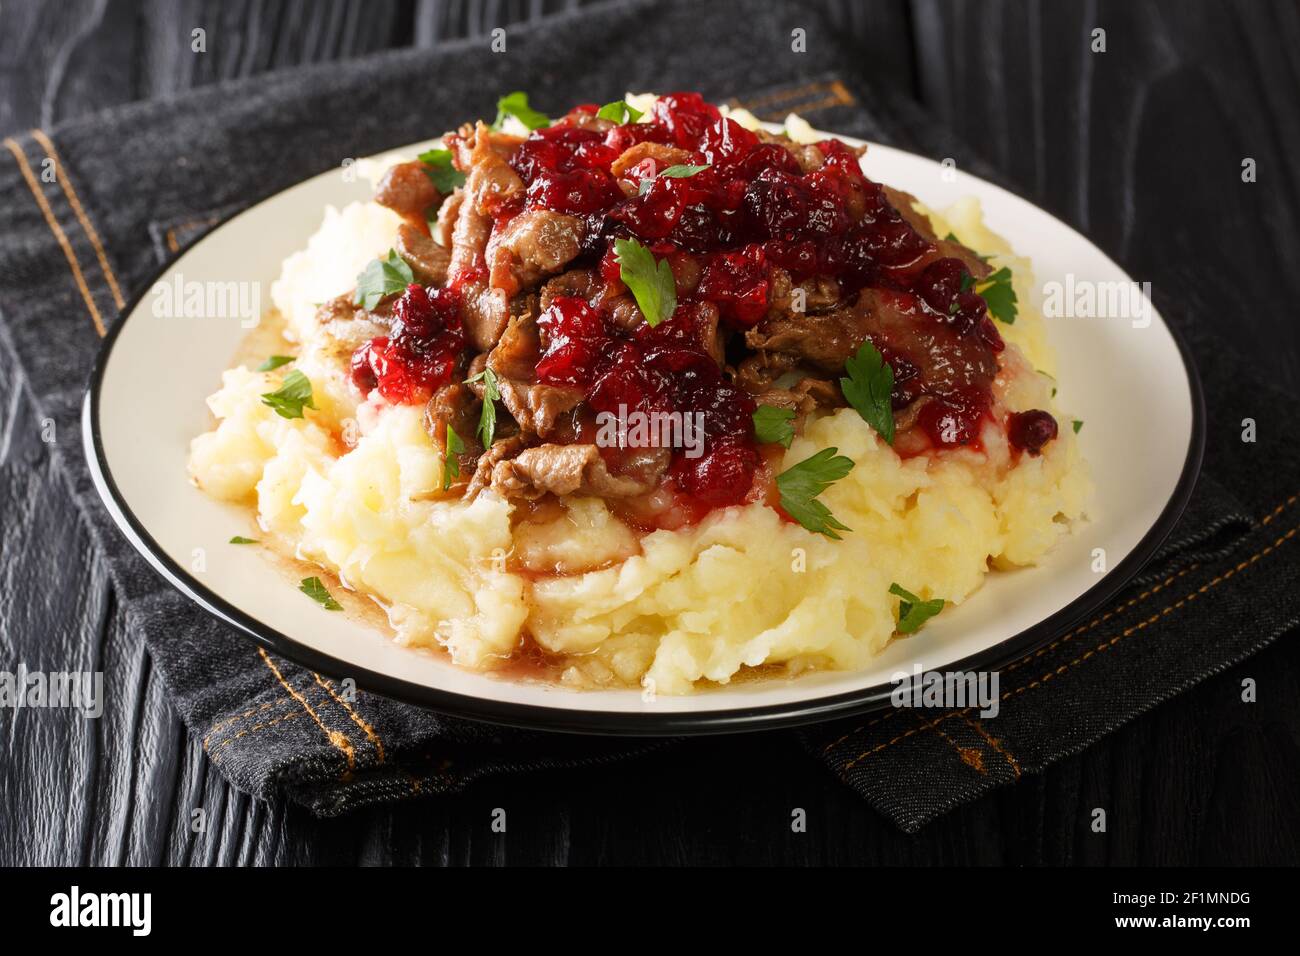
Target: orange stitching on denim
x=824 y=103
x=971 y=756
x=846 y=98
x=238 y=717
x=1279 y=509
x=903 y=736
x=336 y=738
x=251 y=730
x=75 y=201
x=1182 y=602
x=59 y=235
x=173 y=243
x=781 y=95
x=995 y=743
x=1084 y=628
x=371 y=734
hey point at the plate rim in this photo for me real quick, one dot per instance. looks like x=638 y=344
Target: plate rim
x=603 y=722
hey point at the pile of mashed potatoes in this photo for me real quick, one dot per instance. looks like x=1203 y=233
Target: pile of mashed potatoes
x=354 y=486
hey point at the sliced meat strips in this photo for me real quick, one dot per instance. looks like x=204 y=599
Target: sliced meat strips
x=538 y=408
x=534 y=244
x=905 y=203
x=407 y=190
x=427 y=259
x=562 y=470
x=923 y=349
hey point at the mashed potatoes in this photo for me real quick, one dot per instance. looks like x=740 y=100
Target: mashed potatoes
x=669 y=609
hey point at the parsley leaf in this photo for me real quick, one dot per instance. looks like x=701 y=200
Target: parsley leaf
x=313 y=588
x=516 y=104
x=997 y=292
x=868 y=388
x=651 y=282
x=450 y=463
x=619 y=112
x=487 y=422
x=772 y=424
x=274 y=362
x=293 y=395
x=912 y=611
x=445 y=176
x=672 y=172
x=240 y=539
x=380 y=279
x=800 y=485
x=1077 y=425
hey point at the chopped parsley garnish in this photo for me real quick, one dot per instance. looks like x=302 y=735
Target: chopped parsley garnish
x=868 y=388
x=772 y=424
x=293 y=395
x=274 y=362
x=800 y=485
x=450 y=463
x=516 y=104
x=619 y=112
x=651 y=282
x=672 y=172
x=912 y=611
x=313 y=588
x=240 y=539
x=487 y=422
x=1077 y=425
x=445 y=176
x=382 y=278
x=998 y=294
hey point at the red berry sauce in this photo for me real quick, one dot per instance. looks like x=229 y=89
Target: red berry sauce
x=1030 y=431
x=420 y=354
x=753 y=209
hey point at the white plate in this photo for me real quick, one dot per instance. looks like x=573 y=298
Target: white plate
x=1135 y=388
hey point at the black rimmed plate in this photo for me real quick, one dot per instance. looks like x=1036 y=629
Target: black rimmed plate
x=146 y=402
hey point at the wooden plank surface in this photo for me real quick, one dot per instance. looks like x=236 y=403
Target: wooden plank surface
x=1140 y=147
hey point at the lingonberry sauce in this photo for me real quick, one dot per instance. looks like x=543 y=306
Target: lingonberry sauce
x=753 y=209
x=1030 y=431
x=420 y=354
x=758 y=206
x=656 y=370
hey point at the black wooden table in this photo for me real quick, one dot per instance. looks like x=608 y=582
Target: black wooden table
x=1141 y=147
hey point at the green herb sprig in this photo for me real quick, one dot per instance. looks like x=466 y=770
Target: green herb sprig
x=382 y=278
x=912 y=611
x=516 y=104
x=868 y=388
x=445 y=176
x=772 y=424
x=314 y=589
x=293 y=395
x=800 y=485
x=487 y=422
x=651 y=282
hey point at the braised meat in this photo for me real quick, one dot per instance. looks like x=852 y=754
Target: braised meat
x=680 y=268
